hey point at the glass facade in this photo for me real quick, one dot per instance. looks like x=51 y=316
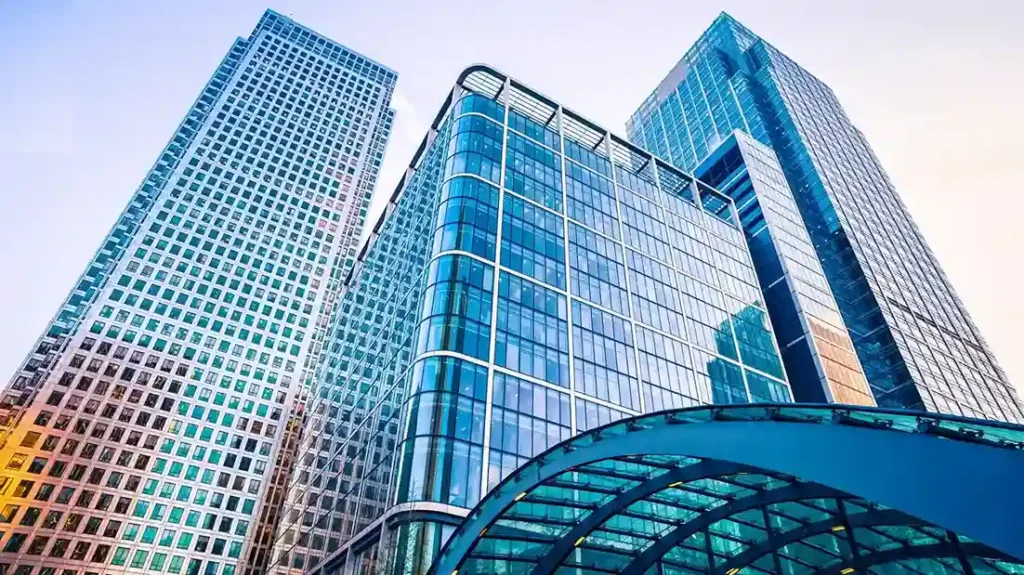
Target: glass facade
x=915 y=342
x=816 y=348
x=146 y=432
x=533 y=277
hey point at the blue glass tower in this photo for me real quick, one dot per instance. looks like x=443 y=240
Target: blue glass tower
x=816 y=347
x=915 y=341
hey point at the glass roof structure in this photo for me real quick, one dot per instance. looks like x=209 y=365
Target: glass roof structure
x=758 y=489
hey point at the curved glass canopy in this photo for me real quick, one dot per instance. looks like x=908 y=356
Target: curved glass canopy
x=758 y=489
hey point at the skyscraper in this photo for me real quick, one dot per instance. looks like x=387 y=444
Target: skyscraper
x=816 y=348
x=533 y=276
x=142 y=432
x=915 y=341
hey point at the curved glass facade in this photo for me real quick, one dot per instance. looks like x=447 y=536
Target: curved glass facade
x=556 y=279
x=722 y=490
x=443 y=444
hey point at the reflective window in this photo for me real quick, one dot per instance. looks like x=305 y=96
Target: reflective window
x=605 y=366
x=467 y=217
x=596 y=269
x=656 y=299
x=534 y=172
x=532 y=241
x=442 y=454
x=591 y=200
x=532 y=336
x=526 y=419
x=457 y=306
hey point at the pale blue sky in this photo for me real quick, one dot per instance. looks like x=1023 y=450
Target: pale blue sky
x=91 y=90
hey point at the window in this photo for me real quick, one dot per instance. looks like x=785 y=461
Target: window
x=139 y=559
x=45 y=491
x=43 y=418
x=24 y=488
x=64 y=496
x=52 y=519
x=60 y=546
x=80 y=551
x=72 y=522
x=100 y=555
x=15 y=542
x=30 y=439
x=37 y=465
x=120 y=556
x=8 y=512
x=31 y=516
x=38 y=545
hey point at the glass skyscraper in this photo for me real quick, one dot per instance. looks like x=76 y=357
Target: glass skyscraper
x=141 y=434
x=816 y=348
x=915 y=342
x=533 y=277
x=233 y=387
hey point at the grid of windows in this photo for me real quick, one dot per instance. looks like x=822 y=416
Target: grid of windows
x=914 y=341
x=532 y=242
x=526 y=419
x=596 y=269
x=532 y=336
x=591 y=200
x=533 y=172
x=345 y=471
x=657 y=301
x=475 y=148
x=149 y=440
x=590 y=415
x=558 y=336
x=605 y=364
x=819 y=352
x=667 y=372
x=643 y=225
x=467 y=217
x=445 y=434
x=456 y=307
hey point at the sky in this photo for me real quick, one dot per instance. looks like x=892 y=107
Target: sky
x=92 y=89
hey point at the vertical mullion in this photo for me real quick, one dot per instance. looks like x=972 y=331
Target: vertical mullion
x=625 y=265
x=488 y=404
x=568 y=273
